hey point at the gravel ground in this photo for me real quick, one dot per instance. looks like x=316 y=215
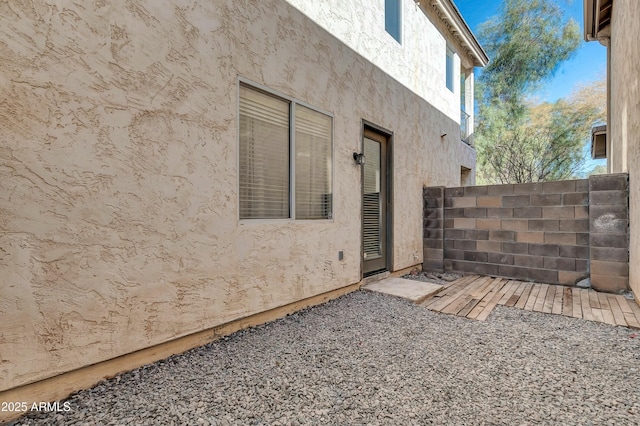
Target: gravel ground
x=367 y=358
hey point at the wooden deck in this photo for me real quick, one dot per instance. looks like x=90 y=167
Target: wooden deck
x=475 y=297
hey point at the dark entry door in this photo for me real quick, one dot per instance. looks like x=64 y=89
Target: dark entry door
x=374 y=203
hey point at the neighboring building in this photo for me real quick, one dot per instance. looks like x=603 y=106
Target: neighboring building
x=169 y=167
x=615 y=23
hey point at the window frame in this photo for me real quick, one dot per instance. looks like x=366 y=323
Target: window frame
x=292 y=153
x=398 y=4
x=450 y=74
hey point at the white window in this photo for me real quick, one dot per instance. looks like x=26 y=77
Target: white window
x=449 y=69
x=393 y=18
x=285 y=158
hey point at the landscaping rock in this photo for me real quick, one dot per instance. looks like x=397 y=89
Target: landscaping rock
x=367 y=358
x=585 y=283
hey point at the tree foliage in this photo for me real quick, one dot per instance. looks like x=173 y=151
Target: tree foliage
x=546 y=145
x=526 y=42
x=517 y=140
x=600 y=169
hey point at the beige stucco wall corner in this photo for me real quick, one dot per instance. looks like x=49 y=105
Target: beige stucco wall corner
x=119 y=164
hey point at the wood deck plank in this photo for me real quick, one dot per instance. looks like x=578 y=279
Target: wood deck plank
x=444 y=301
x=494 y=302
x=495 y=287
x=463 y=279
x=618 y=315
x=526 y=291
x=632 y=321
x=461 y=282
x=468 y=307
x=481 y=293
x=576 y=310
x=533 y=296
x=586 y=307
x=457 y=304
x=625 y=307
x=461 y=301
x=475 y=297
x=636 y=311
x=597 y=314
x=567 y=302
x=607 y=313
x=453 y=292
x=594 y=303
x=483 y=299
x=557 y=301
x=450 y=289
x=516 y=294
x=537 y=307
x=547 y=306
x=508 y=290
x=446 y=290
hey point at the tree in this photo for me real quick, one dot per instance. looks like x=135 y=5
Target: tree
x=546 y=141
x=600 y=169
x=526 y=42
x=516 y=140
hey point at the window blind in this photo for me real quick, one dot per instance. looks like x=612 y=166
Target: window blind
x=264 y=155
x=313 y=142
x=372 y=208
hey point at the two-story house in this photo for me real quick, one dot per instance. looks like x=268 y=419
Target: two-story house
x=175 y=170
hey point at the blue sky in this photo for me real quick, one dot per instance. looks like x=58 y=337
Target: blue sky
x=589 y=63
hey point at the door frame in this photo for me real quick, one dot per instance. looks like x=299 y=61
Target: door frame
x=388 y=135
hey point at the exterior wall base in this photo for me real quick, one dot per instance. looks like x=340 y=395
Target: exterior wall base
x=61 y=386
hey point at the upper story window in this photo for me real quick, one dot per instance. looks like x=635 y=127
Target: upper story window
x=393 y=18
x=286 y=158
x=449 y=69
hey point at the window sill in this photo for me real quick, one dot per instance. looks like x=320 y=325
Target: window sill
x=258 y=222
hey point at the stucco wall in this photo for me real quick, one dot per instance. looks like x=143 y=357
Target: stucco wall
x=418 y=61
x=118 y=162
x=625 y=116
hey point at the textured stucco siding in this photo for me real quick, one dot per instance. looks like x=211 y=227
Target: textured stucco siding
x=418 y=61
x=118 y=159
x=625 y=117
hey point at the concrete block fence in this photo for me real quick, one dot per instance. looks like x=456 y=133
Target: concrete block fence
x=550 y=232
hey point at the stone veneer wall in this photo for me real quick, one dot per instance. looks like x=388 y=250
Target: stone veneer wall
x=552 y=232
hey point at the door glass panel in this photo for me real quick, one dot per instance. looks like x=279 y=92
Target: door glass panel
x=372 y=206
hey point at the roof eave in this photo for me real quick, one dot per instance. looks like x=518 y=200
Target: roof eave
x=597 y=18
x=451 y=16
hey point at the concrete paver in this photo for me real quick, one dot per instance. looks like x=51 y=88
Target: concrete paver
x=416 y=291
